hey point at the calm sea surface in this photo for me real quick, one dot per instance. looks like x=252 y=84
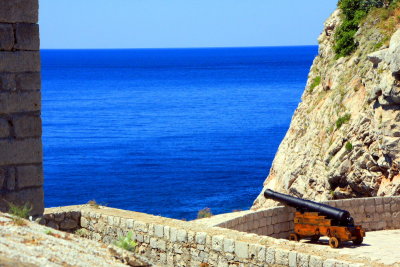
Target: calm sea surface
x=166 y=131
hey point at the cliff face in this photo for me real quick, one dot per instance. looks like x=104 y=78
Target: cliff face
x=343 y=140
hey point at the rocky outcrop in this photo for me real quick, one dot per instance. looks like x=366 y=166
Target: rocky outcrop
x=343 y=140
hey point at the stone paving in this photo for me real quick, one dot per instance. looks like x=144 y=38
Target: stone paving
x=380 y=246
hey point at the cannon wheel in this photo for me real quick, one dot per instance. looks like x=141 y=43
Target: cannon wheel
x=334 y=242
x=358 y=241
x=315 y=238
x=294 y=237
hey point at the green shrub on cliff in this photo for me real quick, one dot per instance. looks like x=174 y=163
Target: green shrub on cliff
x=315 y=83
x=342 y=120
x=349 y=146
x=354 y=11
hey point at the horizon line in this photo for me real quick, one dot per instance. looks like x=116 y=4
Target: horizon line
x=167 y=48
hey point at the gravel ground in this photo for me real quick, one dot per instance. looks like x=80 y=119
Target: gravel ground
x=35 y=245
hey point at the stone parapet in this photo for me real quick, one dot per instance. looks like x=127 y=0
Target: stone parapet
x=375 y=213
x=168 y=242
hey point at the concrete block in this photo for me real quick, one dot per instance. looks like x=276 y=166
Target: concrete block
x=129 y=223
x=4 y=128
x=8 y=82
x=6 y=37
x=387 y=207
x=261 y=252
x=270 y=255
x=174 y=234
x=369 y=201
x=330 y=263
x=217 y=242
x=252 y=251
x=28 y=176
x=20 y=61
x=370 y=208
x=27 y=36
x=158 y=230
x=19 y=11
x=166 y=232
x=303 y=260
x=379 y=208
x=27 y=126
x=140 y=227
x=28 y=81
x=19 y=102
x=229 y=245
x=20 y=151
x=315 y=261
x=242 y=249
x=282 y=257
x=182 y=235
x=387 y=200
x=292 y=259
x=378 y=201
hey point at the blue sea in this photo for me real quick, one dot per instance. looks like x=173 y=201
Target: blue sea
x=166 y=131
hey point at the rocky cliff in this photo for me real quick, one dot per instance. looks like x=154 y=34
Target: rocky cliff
x=343 y=140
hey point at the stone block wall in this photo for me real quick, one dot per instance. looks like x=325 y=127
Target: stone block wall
x=168 y=242
x=21 y=170
x=375 y=213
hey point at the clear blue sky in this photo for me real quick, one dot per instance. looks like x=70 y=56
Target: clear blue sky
x=181 y=23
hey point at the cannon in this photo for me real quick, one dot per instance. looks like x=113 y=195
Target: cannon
x=313 y=220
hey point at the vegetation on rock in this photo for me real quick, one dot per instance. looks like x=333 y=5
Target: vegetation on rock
x=204 y=213
x=126 y=242
x=315 y=83
x=19 y=213
x=349 y=146
x=354 y=11
x=342 y=120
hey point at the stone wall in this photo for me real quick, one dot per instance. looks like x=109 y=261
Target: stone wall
x=168 y=242
x=377 y=213
x=21 y=171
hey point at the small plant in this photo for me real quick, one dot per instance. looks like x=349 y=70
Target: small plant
x=349 y=146
x=204 y=213
x=93 y=203
x=48 y=232
x=126 y=242
x=315 y=83
x=82 y=232
x=19 y=213
x=342 y=120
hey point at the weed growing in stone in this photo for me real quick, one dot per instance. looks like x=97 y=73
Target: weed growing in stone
x=48 y=232
x=93 y=203
x=315 y=83
x=82 y=232
x=204 y=213
x=349 y=146
x=342 y=120
x=19 y=213
x=126 y=242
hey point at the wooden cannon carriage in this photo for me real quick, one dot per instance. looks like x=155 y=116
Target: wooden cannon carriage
x=313 y=220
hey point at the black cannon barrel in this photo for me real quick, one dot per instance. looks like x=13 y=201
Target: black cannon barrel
x=341 y=217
